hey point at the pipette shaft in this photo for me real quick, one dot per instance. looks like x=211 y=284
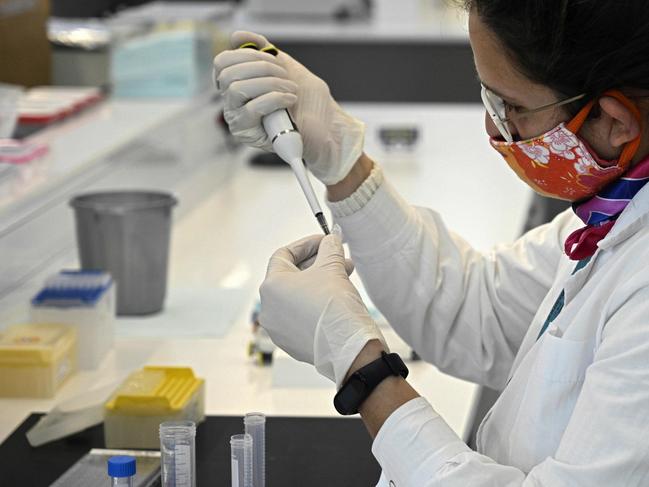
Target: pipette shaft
x=287 y=143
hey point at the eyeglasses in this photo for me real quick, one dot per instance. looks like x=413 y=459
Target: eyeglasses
x=497 y=110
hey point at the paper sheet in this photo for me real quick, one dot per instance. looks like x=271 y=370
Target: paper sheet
x=189 y=313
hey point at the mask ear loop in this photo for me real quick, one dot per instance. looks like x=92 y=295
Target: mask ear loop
x=631 y=147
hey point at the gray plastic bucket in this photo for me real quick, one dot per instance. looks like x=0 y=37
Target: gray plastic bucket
x=127 y=233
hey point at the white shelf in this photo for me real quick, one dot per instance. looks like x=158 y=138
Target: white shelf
x=76 y=146
x=393 y=22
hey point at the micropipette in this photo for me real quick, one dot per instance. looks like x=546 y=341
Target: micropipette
x=287 y=143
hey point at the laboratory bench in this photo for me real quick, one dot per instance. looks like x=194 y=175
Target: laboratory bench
x=231 y=217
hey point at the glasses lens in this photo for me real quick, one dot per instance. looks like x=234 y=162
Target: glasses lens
x=495 y=107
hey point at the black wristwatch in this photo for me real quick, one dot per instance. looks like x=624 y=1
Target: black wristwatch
x=362 y=382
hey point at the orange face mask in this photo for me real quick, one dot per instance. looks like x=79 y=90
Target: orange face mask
x=560 y=165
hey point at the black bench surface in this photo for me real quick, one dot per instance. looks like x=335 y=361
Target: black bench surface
x=301 y=452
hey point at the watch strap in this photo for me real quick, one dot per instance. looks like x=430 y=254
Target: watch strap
x=362 y=382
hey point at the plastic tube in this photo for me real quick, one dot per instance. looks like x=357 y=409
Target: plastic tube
x=121 y=482
x=241 y=460
x=177 y=449
x=121 y=470
x=255 y=424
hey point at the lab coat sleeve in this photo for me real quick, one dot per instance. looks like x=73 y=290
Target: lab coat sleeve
x=416 y=447
x=603 y=444
x=464 y=311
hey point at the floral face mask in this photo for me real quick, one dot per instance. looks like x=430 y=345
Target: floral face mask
x=559 y=164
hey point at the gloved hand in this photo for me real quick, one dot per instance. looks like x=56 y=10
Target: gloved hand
x=316 y=315
x=255 y=84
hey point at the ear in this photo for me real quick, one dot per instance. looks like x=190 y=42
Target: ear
x=624 y=126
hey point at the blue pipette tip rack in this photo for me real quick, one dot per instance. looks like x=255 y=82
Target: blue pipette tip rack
x=73 y=288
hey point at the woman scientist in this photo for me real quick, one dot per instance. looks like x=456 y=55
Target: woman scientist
x=559 y=319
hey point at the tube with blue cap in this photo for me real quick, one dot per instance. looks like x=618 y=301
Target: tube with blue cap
x=121 y=470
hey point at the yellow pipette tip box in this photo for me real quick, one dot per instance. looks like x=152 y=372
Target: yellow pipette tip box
x=36 y=358
x=147 y=398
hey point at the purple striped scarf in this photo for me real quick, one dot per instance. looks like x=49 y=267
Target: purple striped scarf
x=600 y=212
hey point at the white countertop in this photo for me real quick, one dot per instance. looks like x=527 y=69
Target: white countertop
x=235 y=216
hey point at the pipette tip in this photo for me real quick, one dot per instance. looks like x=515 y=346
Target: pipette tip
x=323 y=223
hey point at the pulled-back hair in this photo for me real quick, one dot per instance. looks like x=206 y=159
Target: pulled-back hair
x=573 y=46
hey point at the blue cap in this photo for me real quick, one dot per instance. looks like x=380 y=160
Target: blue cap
x=121 y=466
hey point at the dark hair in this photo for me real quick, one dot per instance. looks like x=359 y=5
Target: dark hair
x=573 y=46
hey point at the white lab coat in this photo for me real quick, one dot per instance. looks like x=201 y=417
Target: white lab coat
x=575 y=406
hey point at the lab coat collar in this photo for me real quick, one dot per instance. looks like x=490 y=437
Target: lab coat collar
x=631 y=220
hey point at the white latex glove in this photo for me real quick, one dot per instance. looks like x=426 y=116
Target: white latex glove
x=316 y=315
x=255 y=84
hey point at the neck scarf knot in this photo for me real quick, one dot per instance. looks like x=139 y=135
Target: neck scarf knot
x=600 y=212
